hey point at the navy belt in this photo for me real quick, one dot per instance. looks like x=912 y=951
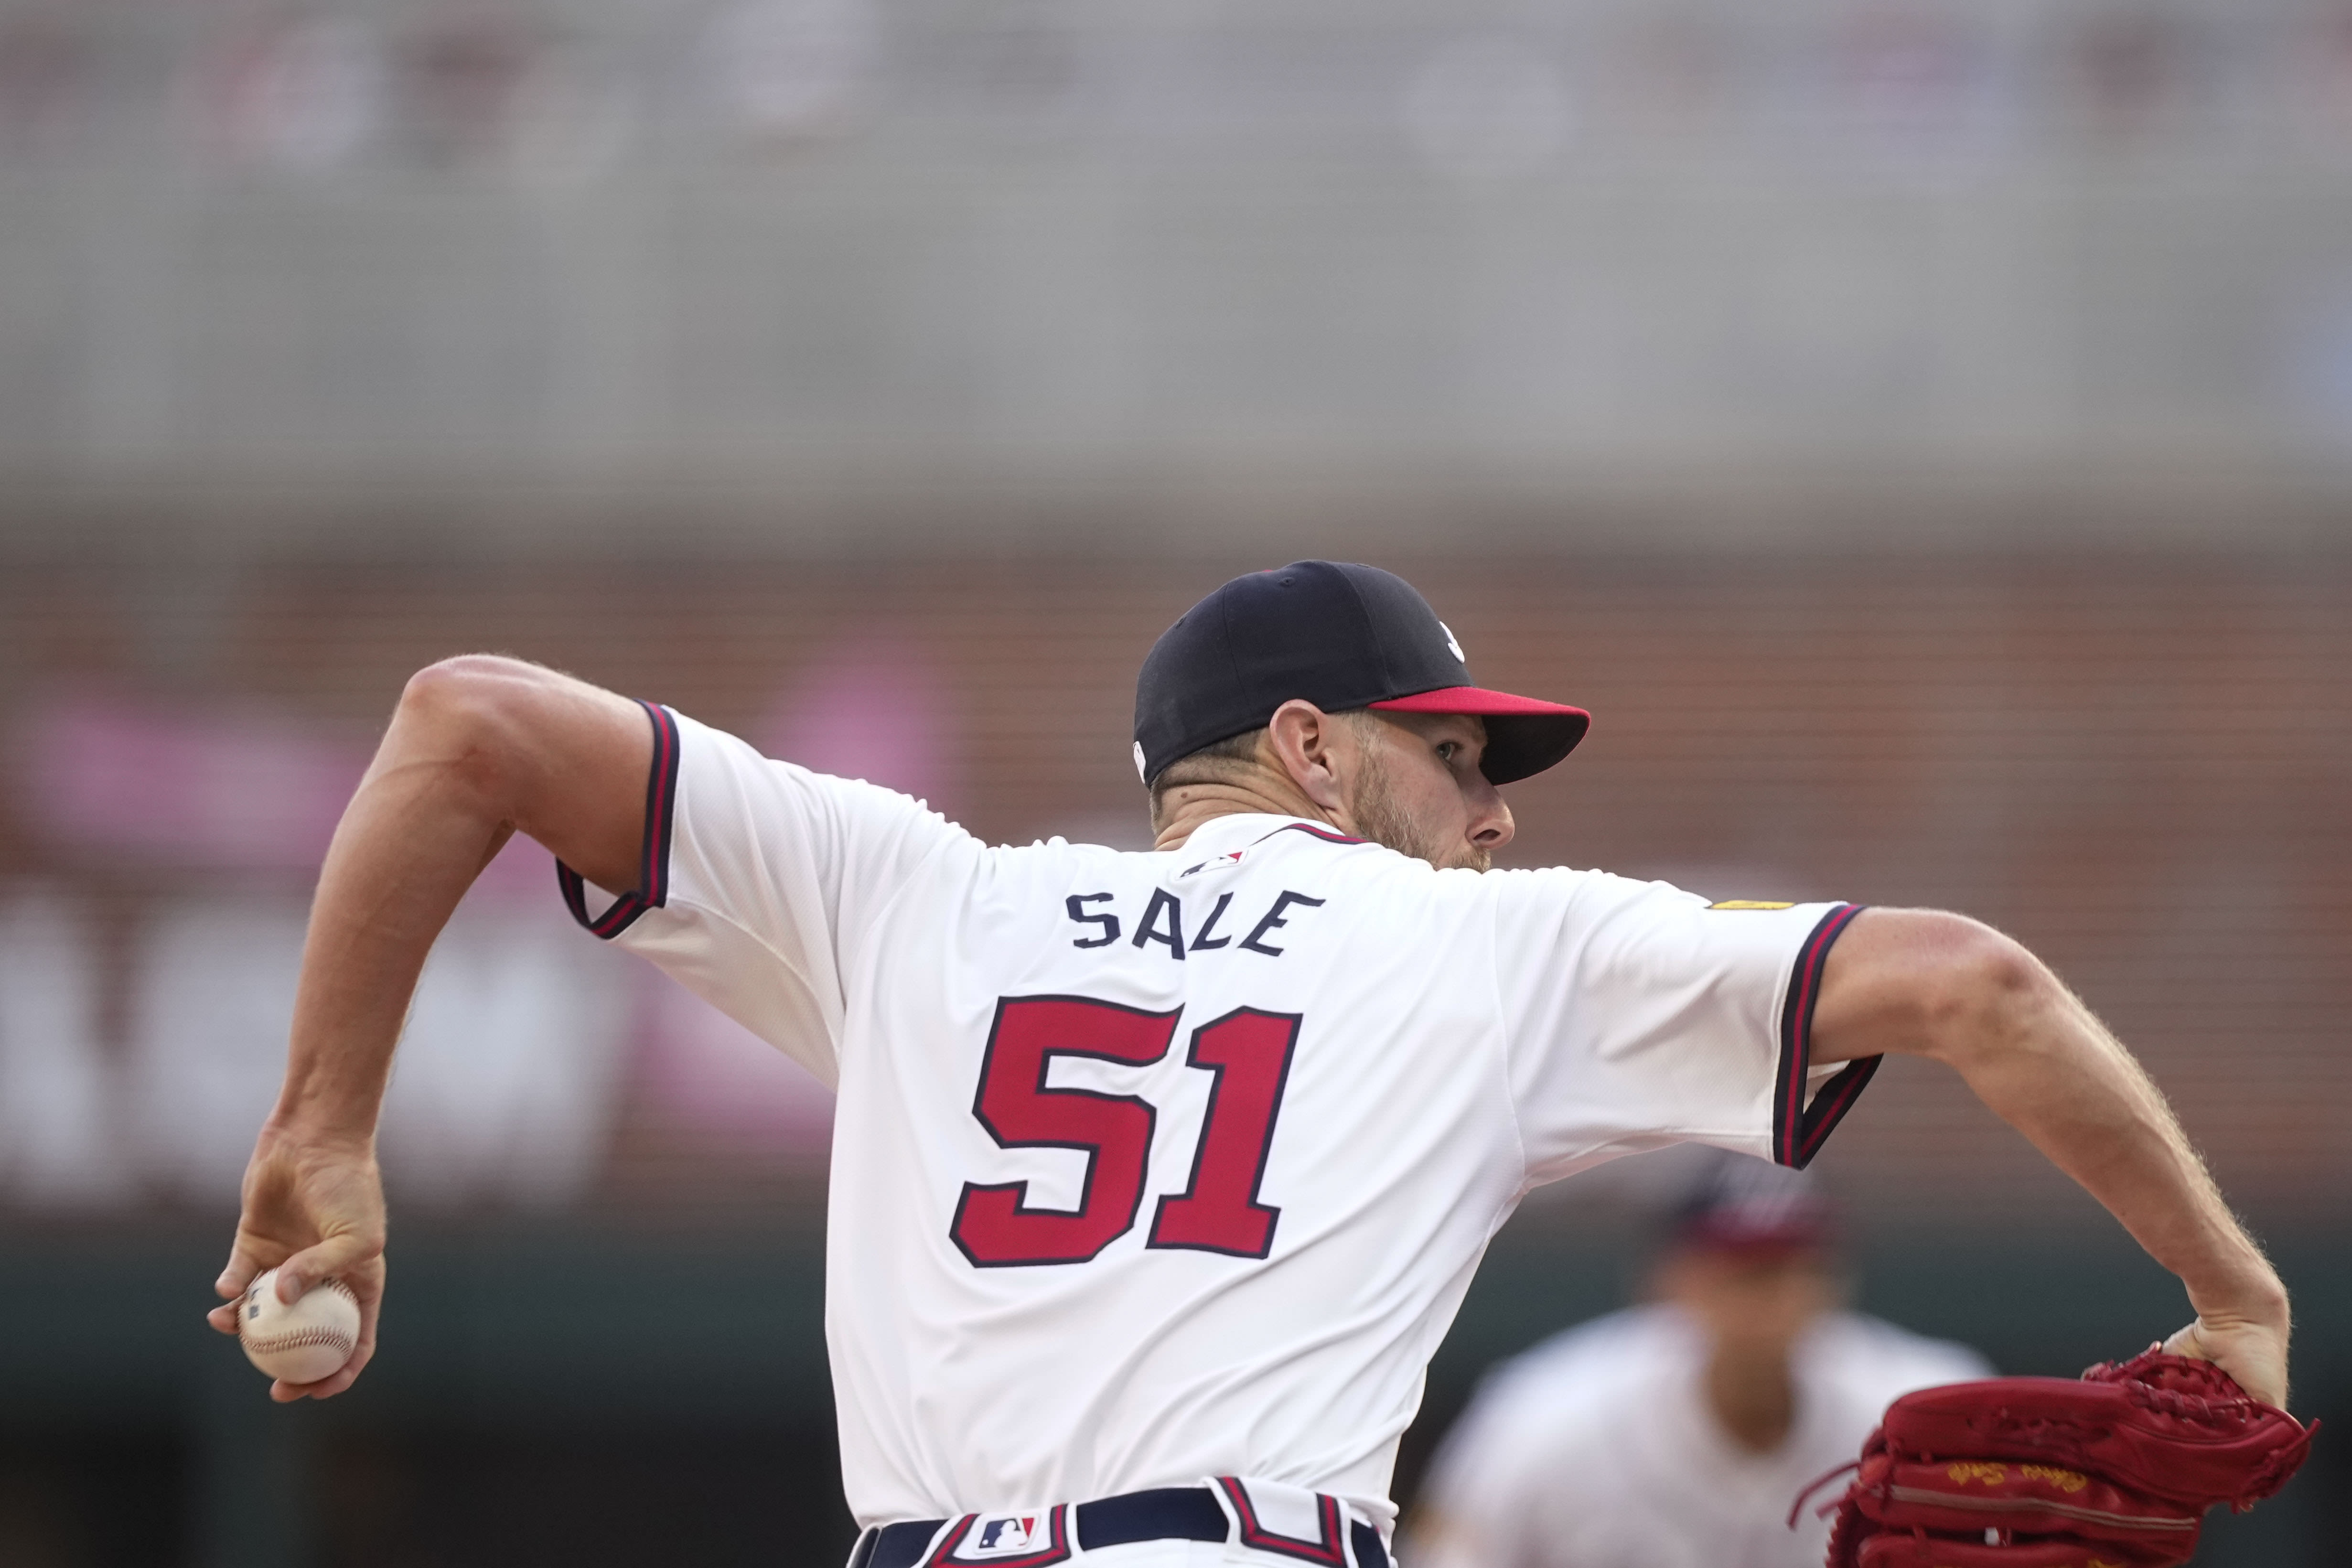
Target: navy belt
x=1165 y=1513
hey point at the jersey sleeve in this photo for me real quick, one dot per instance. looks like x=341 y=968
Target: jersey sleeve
x=761 y=881
x=1637 y=1015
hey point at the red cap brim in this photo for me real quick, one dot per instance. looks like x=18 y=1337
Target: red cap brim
x=1479 y=700
x=1525 y=735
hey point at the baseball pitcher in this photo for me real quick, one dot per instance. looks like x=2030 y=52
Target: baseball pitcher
x=1158 y=1176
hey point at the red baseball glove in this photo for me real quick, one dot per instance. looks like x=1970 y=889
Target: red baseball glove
x=2116 y=1470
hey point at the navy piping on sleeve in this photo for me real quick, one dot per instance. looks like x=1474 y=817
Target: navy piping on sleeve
x=653 y=873
x=1798 y=1131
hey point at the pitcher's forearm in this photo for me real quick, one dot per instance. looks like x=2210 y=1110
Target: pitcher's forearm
x=2053 y=1072
x=1936 y=984
x=414 y=838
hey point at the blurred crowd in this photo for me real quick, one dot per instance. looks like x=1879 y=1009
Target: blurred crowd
x=1482 y=92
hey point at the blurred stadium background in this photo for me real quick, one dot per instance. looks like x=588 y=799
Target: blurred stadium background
x=1921 y=432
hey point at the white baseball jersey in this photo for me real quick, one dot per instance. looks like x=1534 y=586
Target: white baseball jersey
x=1150 y=1167
x=1596 y=1450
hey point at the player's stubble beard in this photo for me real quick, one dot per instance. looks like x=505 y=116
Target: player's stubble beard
x=1382 y=819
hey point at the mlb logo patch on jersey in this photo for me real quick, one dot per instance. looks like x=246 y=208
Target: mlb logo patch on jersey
x=1003 y=1536
x=1215 y=863
x=1026 y=1540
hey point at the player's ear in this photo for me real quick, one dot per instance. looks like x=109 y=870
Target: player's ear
x=1305 y=742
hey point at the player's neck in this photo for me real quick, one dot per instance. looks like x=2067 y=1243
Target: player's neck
x=1189 y=807
x=1752 y=1397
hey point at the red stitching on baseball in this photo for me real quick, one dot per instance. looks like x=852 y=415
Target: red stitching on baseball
x=303 y=1337
x=287 y=1340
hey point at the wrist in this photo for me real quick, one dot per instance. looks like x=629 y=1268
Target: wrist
x=320 y=1106
x=311 y=1126
x=2255 y=1296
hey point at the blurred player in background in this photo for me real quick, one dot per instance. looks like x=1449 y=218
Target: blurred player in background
x=1677 y=1434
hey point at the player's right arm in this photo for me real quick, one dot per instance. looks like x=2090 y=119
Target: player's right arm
x=479 y=748
x=1941 y=985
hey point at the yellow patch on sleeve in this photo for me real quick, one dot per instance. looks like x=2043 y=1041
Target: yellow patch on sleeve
x=1751 y=904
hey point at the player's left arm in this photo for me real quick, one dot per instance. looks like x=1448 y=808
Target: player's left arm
x=1941 y=985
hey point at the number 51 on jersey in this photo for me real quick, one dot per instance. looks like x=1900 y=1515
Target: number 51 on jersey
x=1248 y=1050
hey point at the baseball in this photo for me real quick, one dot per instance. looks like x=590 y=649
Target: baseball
x=301 y=1342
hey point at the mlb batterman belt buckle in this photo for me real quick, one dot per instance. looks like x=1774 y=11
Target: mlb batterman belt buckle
x=1033 y=1538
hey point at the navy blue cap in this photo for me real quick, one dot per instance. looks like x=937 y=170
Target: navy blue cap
x=1738 y=1203
x=1343 y=638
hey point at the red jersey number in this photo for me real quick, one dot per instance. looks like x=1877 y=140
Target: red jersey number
x=994 y=1225
x=1218 y=1211
x=1249 y=1052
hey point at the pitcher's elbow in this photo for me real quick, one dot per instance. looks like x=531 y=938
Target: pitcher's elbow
x=1978 y=989
x=457 y=712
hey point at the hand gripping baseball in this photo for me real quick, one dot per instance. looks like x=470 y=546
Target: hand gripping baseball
x=313 y=1211
x=2114 y=1470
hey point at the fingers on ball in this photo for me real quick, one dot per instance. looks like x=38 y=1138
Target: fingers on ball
x=302 y=1342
